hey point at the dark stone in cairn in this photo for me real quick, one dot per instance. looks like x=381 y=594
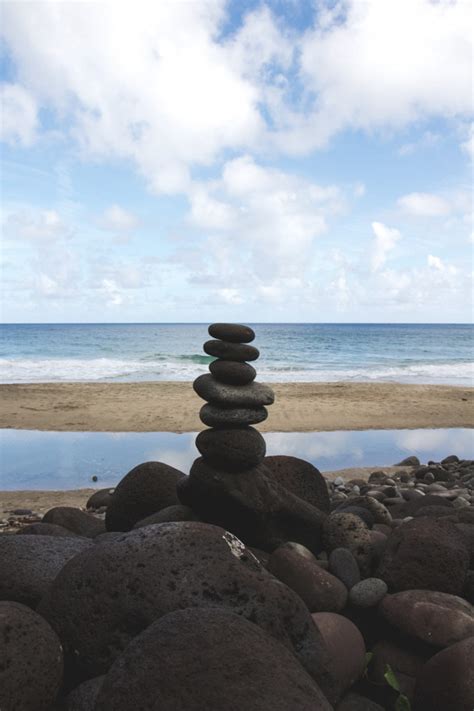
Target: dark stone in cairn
x=215 y=416
x=233 y=332
x=234 y=449
x=231 y=351
x=225 y=395
x=232 y=372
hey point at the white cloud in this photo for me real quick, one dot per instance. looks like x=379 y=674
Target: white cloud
x=36 y=226
x=431 y=205
x=111 y=292
x=116 y=219
x=427 y=140
x=19 y=115
x=385 y=241
x=438 y=265
x=468 y=145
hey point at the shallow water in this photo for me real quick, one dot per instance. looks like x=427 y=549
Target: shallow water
x=68 y=460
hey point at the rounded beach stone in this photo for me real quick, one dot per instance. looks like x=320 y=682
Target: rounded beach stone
x=29 y=564
x=425 y=553
x=233 y=449
x=343 y=530
x=437 y=618
x=359 y=511
x=408 y=462
x=368 y=592
x=357 y=702
x=233 y=332
x=345 y=645
x=214 y=416
x=100 y=499
x=151 y=571
x=232 y=372
x=146 y=489
x=321 y=591
x=46 y=529
x=31 y=660
x=231 y=351
x=191 y=660
x=301 y=478
x=379 y=512
x=344 y=566
x=84 y=696
x=170 y=514
x=447 y=680
x=251 y=395
x=75 y=520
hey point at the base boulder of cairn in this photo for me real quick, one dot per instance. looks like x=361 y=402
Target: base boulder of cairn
x=230 y=485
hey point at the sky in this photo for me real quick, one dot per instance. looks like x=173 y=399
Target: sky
x=197 y=161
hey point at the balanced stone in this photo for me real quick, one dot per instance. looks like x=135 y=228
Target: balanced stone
x=233 y=332
x=232 y=372
x=217 y=393
x=233 y=449
x=214 y=416
x=231 y=351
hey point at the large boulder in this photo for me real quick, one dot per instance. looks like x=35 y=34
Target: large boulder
x=84 y=696
x=447 y=680
x=112 y=592
x=75 y=520
x=212 y=659
x=31 y=660
x=146 y=489
x=301 y=478
x=345 y=646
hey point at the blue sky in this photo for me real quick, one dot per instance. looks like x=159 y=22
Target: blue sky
x=247 y=161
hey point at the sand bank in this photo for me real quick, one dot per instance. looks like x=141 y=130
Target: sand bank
x=174 y=407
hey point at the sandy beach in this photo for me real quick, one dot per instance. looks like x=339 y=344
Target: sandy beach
x=174 y=407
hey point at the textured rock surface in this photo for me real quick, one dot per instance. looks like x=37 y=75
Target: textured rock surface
x=301 y=478
x=345 y=646
x=225 y=395
x=170 y=514
x=232 y=449
x=75 y=520
x=233 y=332
x=231 y=351
x=193 y=660
x=146 y=489
x=368 y=593
x=99 y=499
x=344 y=566
x=84 y=696
x=46 y=529
x=31 y=660
x=447 y=680
x=343 y=530
x=232 y=372
x=214 y=416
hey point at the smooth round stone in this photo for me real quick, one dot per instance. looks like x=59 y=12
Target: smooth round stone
x=231 y=351
x=233 y=449
x=341 y=530
x=171 y=514
x=447 y=680
x=233 y=332
x=214 y=416
x=344 y=566
x=225 y=395
x=229 y=371
x=84 y=696
x=368 y=592
x=99 y=499
x=75 y=520
x=299 y=477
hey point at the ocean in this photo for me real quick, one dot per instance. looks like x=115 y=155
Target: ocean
x=408 y=353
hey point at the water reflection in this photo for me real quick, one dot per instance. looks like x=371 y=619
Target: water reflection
x=68 y=460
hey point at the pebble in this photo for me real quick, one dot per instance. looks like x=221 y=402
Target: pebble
x=344 y=566
x=368 y=593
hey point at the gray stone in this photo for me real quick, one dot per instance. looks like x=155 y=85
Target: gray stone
x=225 y=395
x=214 y=416
x=408 y=462
x=231 y=351
x=233 y=449
x=232 y=372
x=344 y=566
x=233 y=332
x=368 y=592
x=75 y=520
x=343 y=530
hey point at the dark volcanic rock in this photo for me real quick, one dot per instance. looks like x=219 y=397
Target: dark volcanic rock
x=149 y=572
x=231 y=351
x=191 y=660
x=233 y=332
x=84 y=696
x=214 y=416
x=100 y=499
x=252 y=506
x=321 y=591
x=29 y=564
x=232 y=449
x=378 y=511
x=405 y=664
x=447 y=680
x=359 y=511
x=31 y=660
x=170 y=514
x=75 y=520
x=47 y=529
x=437 y=618
x=301 y=478
x=357 y=702
x=232 y=372
x=408 y=462
x=225 y=395
x=425 y=553
x=146 y=489
x=344 y=566
x=344 y=530
x=410 y=508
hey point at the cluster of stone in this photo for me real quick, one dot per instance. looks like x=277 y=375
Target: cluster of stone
x=234 y=401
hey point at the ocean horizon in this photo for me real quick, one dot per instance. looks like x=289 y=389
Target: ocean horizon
x=289 y=352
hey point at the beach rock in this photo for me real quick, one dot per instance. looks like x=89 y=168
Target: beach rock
x=170 y=514
x=344 y=566
x=232 y=449
x=231 y=351
x=232 y=332
x=191 y=660
x=252 y=506
x=433 y=617
x=100 y=499
x=320 y=591
x=410 y=508
x=31 y=660
x=425 y=553
x=452 y=459
x=75 y=520
x=344 y=530
x=345 y=646
x=467 y=532
x=447 y=680
x=368 y=593
x=84 y=696
x=154 y=570
x=29 y=564
x=146 y=489
x=46 y=529
x=357 y=702
x=405 y=664
x=232 y=372
x=379 y=512
x=301 y=478
x=408 y=462
x=214 y=416
x=252 y=395
x=359 y=511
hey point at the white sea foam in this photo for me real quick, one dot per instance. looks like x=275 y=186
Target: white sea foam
x=24 y=370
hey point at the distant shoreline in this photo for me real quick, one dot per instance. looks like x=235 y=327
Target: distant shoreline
x=173 y=407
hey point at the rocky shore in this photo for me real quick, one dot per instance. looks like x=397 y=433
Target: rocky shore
x=252 y=582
